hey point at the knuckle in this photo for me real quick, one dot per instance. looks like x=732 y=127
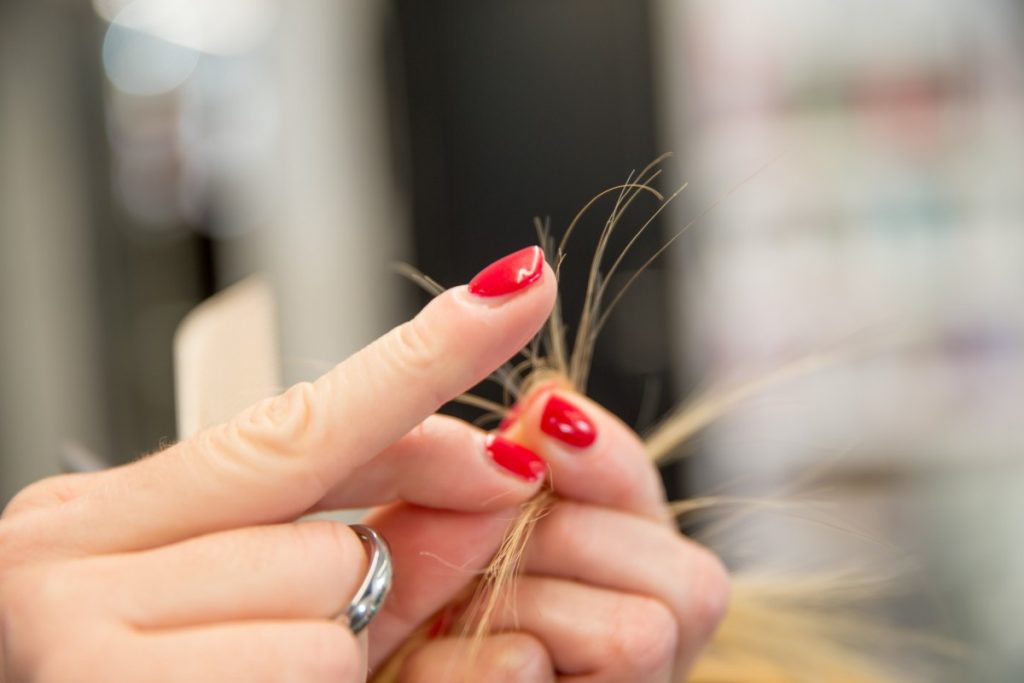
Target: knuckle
x=554 y=528
x=646 y=637
x=48 y=492
x=276 y=433
x=564 y=523
x=411 y=350
x=288 y=424
x=28 y=498
x=333 y=542
x=625 y=481
x=32 y=601
x=518 y=657
x=699 y=595
x=16 y=542
x=711 y=587
x=26 y=593
x=559 y=533
x=414 y=346
x=46 y=603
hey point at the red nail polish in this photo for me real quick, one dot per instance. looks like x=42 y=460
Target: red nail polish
x=567 y=423
x=509 y=274
x=518 y=460
x=442 y=625
x=447 y=619
x=438 y=628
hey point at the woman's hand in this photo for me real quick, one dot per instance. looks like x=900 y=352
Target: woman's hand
x=611 y=591
x=186 y=566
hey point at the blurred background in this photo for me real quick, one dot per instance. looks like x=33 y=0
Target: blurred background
x=863 y=163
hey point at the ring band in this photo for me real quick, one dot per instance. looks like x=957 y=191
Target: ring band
x=375 y=586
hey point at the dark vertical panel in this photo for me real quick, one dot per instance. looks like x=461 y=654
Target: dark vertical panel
x=529 y=108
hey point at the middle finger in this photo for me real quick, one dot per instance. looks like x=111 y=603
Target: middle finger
x=593 y=457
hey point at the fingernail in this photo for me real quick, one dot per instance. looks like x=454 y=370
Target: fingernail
x=509 y=274
x=520 y=461
x=567 y=423
x=447 y=619
x=439 y=627
x=443 y=623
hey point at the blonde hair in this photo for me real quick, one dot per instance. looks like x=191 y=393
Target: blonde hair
x=794 y=629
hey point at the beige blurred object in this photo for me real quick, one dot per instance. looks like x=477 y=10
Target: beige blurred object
x=338 y=215
x=226 y=355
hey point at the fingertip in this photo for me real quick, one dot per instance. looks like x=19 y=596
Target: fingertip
x=510 y=274
x=487 y=471
x=593 y=456
x=520 y=416
x=500 y=474
x=466 y=469
x=514 y=459
x=536 y=297
x=555 y=418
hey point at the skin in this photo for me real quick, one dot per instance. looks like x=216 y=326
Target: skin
x=189 y=565
x=611 y=592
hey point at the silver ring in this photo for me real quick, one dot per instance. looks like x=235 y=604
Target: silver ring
x=375 y=586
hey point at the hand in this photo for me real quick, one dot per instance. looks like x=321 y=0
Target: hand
x=611 y=592
x=186 y=566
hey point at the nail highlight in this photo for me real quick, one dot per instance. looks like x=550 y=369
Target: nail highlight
x=567 y=423
x=520 y=461
x=509 y=274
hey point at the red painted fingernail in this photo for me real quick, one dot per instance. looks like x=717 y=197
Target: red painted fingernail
x=518 y=460
x=447 y=619
x=509 y=274
x=438 y=628
x=567 y=423
x=442 y=625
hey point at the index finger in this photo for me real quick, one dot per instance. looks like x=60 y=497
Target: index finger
x=279 y=457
